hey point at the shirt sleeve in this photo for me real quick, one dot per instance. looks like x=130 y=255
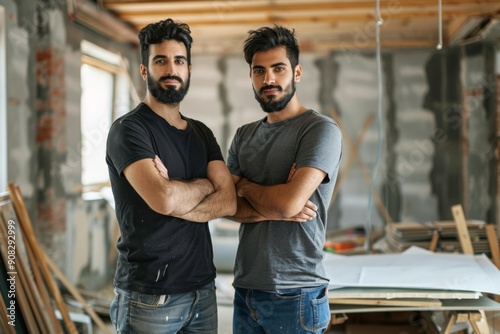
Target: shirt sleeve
x=214 y=151
x=233 y=163
x=128 y=142
x=321 y=147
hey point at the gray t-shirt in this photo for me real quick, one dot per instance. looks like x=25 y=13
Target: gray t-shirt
x=276 y=255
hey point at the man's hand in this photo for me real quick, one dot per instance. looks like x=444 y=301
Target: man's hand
x=306 y=213
x=161 y=167
x=292 y=172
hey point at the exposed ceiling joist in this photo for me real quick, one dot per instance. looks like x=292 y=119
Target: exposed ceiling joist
x=321 y=25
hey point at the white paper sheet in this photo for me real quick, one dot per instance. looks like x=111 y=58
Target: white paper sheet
x=415 y=268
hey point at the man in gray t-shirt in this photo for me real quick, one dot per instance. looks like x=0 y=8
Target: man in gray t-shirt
x=284 y=168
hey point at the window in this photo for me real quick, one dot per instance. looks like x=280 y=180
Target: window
x=3 y=105
x=105 y=96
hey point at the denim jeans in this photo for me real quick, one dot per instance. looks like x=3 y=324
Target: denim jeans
x=290 y=311
x=190 y=312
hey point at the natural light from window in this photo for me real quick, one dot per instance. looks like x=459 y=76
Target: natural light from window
x=105 y=96
x=97 y=113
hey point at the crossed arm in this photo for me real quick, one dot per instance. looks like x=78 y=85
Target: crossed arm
x=288 y=201
x=198 y=200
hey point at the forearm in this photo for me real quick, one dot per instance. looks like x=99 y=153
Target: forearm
x=266 y=200
x=245 y=213
x=219 y=204
x=184 y=196
x=163 y=195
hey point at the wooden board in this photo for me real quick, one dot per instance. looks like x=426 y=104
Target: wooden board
x=463 y=232
x=419 y=302
x=391 y=293
x=493 y=241
x=482 y=303
x=382 y=329
x=30 y=239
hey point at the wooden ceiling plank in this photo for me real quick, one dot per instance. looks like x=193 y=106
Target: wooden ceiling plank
x=141 y=20
x=222 y=24
x=240 y=7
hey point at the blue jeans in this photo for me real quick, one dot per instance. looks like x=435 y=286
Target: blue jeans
x=190 y=312
x=290 y=311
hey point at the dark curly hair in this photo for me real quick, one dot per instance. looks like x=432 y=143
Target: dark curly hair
x=267 y=38
x=155 y=33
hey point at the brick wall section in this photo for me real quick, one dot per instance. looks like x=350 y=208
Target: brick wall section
x=51 y=150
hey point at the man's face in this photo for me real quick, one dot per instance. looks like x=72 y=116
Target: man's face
x=168 y=74
x=273 y=79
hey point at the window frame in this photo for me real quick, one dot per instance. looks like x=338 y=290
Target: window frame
x=117 y=69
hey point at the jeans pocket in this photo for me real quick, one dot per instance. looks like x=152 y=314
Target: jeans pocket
x=150 y=301
x=314 y=312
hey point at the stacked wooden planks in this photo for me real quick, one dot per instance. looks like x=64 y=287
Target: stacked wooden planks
x=30 y=295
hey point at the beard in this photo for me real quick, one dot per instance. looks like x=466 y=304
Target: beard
x=275 y=105
x=170 y=95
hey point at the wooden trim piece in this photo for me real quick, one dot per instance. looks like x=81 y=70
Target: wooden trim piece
x=25 y=222
x=463 y=232
x=4 y=326
x=493 y=242
x=21 y=296
x=74 y=292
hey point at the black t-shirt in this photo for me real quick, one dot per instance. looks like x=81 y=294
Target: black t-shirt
x=159 y=254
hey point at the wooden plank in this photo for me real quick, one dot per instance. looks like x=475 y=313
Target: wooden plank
x=482 y=303
x=393 y=293
x=463 y=232
x=363 y=169
x=353 y=152
x=26 y=274
x=41 y=288
x=13 y=271
x=185 y=7
x=4 y=326
x=388 y=302
x=493 y=241
x=434 y=241
x=452 y=318
x=53 y=324
x=29 y=234
x=74 y=292
x=481 y=327
x=36 y=301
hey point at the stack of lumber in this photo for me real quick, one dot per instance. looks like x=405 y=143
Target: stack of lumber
x=30 y=296
x=401 y=236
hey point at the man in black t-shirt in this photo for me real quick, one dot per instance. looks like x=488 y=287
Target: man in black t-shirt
x=168 y=179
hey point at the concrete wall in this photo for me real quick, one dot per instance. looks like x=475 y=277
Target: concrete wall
x=431 y=155
x=43 y=128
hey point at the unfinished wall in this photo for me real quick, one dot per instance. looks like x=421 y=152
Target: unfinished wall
x=437 y=133
x=479 y=113
x=461 y=97
x=425 y=165
x=44 y=136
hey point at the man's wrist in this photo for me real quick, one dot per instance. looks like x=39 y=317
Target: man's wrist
x=207 y=187
x=241 y=187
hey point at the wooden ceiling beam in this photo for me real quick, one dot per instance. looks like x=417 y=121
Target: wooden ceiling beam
x=349 y=48
x=321 y=24
x=140 y=20
x=221 y=7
